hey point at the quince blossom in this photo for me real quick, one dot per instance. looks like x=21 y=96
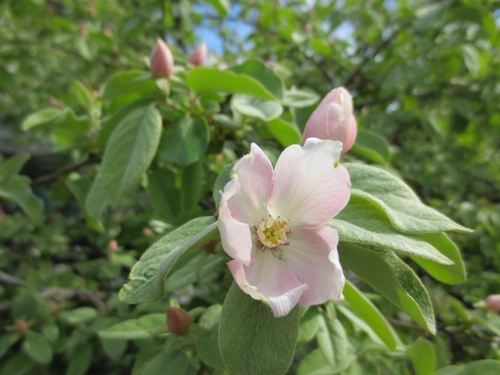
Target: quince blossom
x=272 y=223
x=333 y=119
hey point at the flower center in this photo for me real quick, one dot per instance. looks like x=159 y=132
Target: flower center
x=272 y=232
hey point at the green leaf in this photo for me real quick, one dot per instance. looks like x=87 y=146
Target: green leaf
x=403 y=208
x=37 y=347
x=391 y=277
x=210 y=318
x=41 y=119
x=333 y=344
x=363 y=222
x=221 y=6
x=287 y=134
x=299 y=99
x=19 y=364
x=185 y=140
x=69 y=127
x=207 y=349
x=309 y=324
x=372 y=146
x=114 y=348
x=174 y=359
x=446 y=273
x=51 y=332
x=423 y=357
x=19 y=191
x=314 y=364
x=472 y=59
x=147 y=277
x=128 y=83
x=83 y=95
x=202 y=80
x=97 y=199
x=253 y=341
x=80 y=359
x=110 y=122
x=262 y=73
x=6 y=341
x=184 y=273
x=371 y=315
x=164 y=195
x=12 y=167
x=129 y=152
x=139 y=328
x=79 y=315
x=81 y=189
x=483 y=367
x=247 y=105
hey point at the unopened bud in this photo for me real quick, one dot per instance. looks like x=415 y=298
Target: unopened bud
x=493 y=302
x=113 y=246
x=162 y=60
x=21 y=326
x=147 y=232
x=2 y=217
x=56 y=309
x=178 y=320
x=199 y=55
x=333 y=119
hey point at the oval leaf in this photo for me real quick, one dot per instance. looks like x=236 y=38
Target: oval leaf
x=253 y=341
x=265 y=110
x=129 y=151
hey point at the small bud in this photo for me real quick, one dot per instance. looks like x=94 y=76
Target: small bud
x=21 y=326
x=493 y=302
x=56 y=309
x=113 y=246
x=199 y=55
x=147 y=232
x=333 y=119
x=178 y=320
x=271 y=63
x=162 y=60
x=2 y=217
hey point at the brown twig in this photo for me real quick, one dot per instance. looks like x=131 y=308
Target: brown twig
x=404 y=324
x=54 y=176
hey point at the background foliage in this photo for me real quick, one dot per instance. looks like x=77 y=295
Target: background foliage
x=424 y=77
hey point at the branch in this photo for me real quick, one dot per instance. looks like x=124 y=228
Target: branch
x=401 y=323
x=377 y=50
x=54 y=176
x=96 y=297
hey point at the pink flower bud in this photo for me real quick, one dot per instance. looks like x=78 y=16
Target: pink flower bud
x=178 y=320
x=21 y=326
x=147 y=232
x=493 y=302
x=162 y=60
x=113 y=246
x=199 y=55
x=333 y=119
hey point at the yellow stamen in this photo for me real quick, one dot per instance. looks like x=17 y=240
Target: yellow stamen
x=272 y=232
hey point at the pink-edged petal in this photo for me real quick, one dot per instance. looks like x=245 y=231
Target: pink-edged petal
x=313 y=257
x=270 y=280
x=254 y=172
x=235 y=236
x=310 y=186
x=352 y=132
x=336 y=123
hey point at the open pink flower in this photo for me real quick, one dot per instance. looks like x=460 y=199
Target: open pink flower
x=272 y=223
x=334 y=119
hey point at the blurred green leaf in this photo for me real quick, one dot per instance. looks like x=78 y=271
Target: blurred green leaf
x=333 y=344
x=19 y=191
x=265 y=110
x=314 y=364
x=298 y=99
x=79 y=315
x=37 y=347
x=263 y=74
x=286 y=133
x=372 y=146
x=185 y=141
x=11 y=167
x=128 y=83
x=423 y=357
